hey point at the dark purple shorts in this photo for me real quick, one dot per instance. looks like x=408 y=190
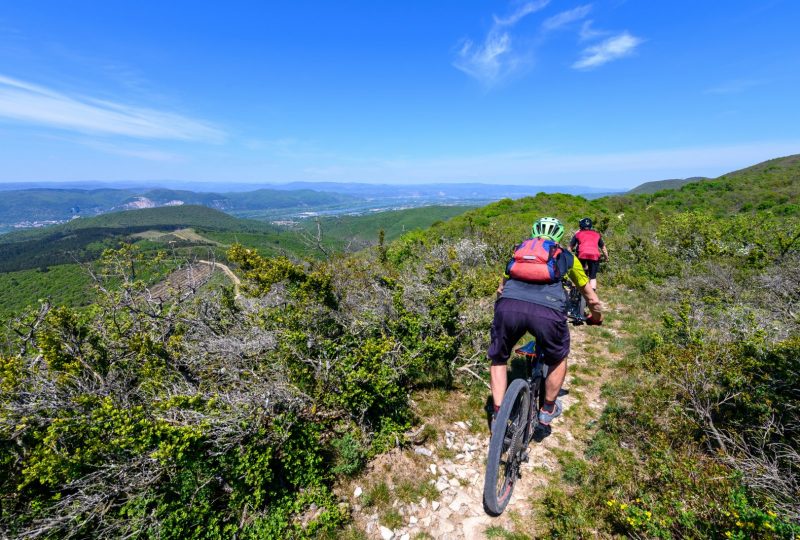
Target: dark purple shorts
x=512 y=318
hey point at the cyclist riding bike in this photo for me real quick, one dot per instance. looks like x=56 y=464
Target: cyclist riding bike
x=588 y=244
x=532 y=299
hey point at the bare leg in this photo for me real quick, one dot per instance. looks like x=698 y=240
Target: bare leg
x=555 y=379
x=593 y=283
x=498 y=380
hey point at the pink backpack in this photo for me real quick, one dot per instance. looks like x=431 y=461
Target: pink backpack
x=534 y=261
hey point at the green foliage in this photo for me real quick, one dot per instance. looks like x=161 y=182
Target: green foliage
x=350 y=456
x=66 y=284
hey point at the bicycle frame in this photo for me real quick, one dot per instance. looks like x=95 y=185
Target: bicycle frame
x=535 y=376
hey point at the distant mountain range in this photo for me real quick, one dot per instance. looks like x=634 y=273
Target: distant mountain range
x=47 y=205
x=30 y=205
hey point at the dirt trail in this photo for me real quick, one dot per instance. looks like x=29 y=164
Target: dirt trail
x=453 y=461
x=191 y=277
x=228 y=272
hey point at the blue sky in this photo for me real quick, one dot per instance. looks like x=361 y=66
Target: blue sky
x=605 y=93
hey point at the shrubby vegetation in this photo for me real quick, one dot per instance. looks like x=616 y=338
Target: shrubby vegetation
x=209 y=416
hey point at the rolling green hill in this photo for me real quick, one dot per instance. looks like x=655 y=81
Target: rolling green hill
x=773 y=185
x=84 y=239
x=660 y=185
x=364 y=229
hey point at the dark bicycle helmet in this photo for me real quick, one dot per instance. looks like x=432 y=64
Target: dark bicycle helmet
x=585 y=223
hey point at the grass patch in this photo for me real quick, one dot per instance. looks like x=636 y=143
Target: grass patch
x=616 y=346
x=573 y=469
x=577 y=380
x=391 y=518
x=606 y=334
x=446 y=453
x=377 y=495
x=501 y=533
x=409 y=491
x=351 y=532
x=586 y=369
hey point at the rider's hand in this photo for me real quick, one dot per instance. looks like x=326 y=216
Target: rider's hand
x=591 y=320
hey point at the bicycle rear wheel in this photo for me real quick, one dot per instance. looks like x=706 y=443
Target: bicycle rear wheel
x=505 y=447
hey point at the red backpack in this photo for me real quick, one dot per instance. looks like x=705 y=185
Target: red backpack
x=534 y=261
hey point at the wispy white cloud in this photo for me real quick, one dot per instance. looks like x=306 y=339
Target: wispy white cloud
x=607 y=50
x=495 y=58
x=587 y=32
x=29 y=103
x=735 y=87
x=566 y=17
x=524 y=10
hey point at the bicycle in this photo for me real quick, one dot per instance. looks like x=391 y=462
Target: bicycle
x=519 y=413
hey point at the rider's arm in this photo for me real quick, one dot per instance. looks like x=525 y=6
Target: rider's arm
x=573 y=243
x=602 y=246
x=502 y=284
x=581 y=280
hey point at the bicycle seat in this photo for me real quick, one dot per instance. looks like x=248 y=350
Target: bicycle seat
x=529 y=349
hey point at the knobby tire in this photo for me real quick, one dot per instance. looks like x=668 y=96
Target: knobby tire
x=506 y=447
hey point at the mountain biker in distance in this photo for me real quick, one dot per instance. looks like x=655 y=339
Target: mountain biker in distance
x=588 y=244
x=532 y=299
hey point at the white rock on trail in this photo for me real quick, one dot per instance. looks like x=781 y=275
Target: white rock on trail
x=432 y=468
x=435 y=505
x=386 y=533
x=423 y=451
x=358 y=491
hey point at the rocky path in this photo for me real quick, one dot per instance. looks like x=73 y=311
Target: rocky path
x=435 y=489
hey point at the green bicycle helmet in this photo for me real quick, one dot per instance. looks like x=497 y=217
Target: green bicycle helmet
x=549 y=227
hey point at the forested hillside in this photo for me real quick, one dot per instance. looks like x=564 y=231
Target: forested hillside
x=661 y=185
x=364 y=230
x=83 y=240
x=225 y=416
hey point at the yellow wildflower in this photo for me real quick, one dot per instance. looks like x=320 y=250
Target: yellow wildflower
x=623 y=506
x=728 y=534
